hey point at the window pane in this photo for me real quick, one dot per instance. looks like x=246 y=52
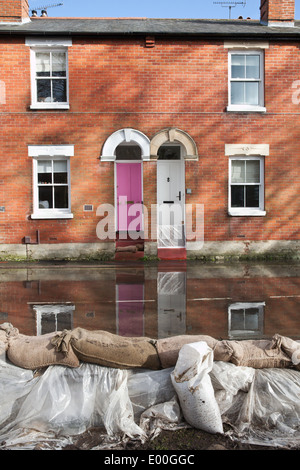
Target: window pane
x=237 y=319
x=169 y=152
x=61 y=197
x=44 y=90
x=60 y=172
x=128 y=152
x=252 y=320
x=251 y=93
x=238 y=171
x=252 y=171
x=237 y=196
x=59 y=91
x=238 y=66
x=59 y=68
x=252 y=66
x=237 y=93
x=252 y=196
x=45 y=197
x=45 y=172
x=43 y=64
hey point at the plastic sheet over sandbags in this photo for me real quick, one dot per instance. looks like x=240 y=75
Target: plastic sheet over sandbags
x=51 y=409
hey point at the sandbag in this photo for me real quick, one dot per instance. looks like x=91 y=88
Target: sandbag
x=290 y=347
x=7 y=330
x=193 y=386
x=168 y=348
x=34 y=352
x=258 y=354
x=107 y=349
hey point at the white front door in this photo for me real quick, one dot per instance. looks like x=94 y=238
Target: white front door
x=170 y=200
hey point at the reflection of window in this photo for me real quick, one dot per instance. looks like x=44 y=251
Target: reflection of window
x=49 y=78
x=246 y=81
x=245 y=319
x=53 y=317
x=51 y=187
x=246 y=186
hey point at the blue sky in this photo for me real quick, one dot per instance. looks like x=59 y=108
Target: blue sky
x=150 y=9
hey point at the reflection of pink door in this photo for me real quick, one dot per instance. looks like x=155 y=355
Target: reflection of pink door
x=129 y=192
x=130 y=309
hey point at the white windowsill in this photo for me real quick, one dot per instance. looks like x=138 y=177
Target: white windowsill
x=49 y=106
x=246 y=108
x=52 y=215
x=246 y=212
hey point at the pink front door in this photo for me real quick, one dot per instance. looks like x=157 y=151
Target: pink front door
x=129 y=197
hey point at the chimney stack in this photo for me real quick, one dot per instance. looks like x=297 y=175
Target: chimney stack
x=277 y=12
x=14 y=11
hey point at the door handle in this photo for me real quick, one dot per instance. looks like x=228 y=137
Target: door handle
x=179 y=196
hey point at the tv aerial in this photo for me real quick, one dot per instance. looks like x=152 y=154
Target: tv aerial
x=45 y=7
x=230 y=5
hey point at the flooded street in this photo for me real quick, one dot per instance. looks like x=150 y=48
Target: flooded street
x=234 y=301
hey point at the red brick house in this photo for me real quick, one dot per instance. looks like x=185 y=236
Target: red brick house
x=179 y=135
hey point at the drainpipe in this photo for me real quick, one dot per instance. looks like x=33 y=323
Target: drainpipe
x=27 y=241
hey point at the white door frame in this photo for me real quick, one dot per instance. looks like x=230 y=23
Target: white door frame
x=182 y=185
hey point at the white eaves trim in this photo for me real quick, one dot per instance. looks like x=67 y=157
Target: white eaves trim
x=51 y=150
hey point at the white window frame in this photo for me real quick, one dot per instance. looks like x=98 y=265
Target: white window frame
x=44 y=310
x=50 y=153
x=247 y=107
x=247 y=211
x=245 y=306
x=41 y=44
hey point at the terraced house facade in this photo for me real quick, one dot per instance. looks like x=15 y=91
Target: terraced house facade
x=176 y=137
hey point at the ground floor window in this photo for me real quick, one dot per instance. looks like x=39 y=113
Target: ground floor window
x=245 y=319
x=246 y=186
x=51 y=187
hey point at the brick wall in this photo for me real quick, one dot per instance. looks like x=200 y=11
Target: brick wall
x=119 y=83
x=13 y=10
x=277 y=10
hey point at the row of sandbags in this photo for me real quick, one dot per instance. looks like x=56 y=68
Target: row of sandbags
x=70 y=347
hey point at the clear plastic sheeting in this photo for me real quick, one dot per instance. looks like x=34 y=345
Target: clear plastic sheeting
x=50 y=409
x=269 y=412
x=171 y=236
x=62 y=403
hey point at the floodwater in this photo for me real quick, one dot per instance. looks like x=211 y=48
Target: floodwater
x=234 y=301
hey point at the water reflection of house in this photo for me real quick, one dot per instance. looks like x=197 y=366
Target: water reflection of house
x=221 y=301
x=122 y=115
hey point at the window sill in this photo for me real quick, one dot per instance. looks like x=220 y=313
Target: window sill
x=50 y=106
x=52 y=215
x=247 y=109
x=246 y=213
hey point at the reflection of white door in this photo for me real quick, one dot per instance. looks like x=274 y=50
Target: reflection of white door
x=170 y=200
x=171 y=296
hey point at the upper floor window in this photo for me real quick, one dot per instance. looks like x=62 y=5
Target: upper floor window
x=49 y=73
x=246 y=81
x=51 y=77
